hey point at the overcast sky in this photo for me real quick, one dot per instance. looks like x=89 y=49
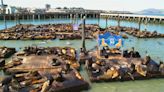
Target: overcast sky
x=122 y=5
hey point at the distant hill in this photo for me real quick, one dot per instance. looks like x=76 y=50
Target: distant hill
x=152 y=11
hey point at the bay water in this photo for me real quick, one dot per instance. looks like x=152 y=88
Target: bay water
x=154 y=47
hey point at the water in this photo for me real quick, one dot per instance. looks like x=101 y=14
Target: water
x=149 y=27
x=154 y=47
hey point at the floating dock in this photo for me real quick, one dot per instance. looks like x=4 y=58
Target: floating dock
x=52 y=69
x=116 y=67
x=136 y=32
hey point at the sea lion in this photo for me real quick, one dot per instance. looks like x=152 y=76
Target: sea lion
x=112 y=73
x=59 y=77
x=161 y=67
x=46 y=85
x=2 y=62
x=64 y=51
x=95 y=68
x=7 y=80
x=55 y=62
x=141 y=69
x=147 y=59
x=67 y=68
x=126 y=70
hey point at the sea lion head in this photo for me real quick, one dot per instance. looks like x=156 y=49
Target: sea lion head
x=147 y=59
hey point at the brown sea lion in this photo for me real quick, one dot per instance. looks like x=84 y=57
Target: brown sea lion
x=46 y=85
x=141 y=69
x=111 y=73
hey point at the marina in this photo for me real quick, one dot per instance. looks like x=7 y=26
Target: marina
x=131 y=41
x=105 y=86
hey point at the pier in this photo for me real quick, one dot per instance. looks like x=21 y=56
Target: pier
x=132 y=17
x=34 y=16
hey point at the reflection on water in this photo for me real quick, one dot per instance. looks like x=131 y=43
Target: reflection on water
x=154 y=47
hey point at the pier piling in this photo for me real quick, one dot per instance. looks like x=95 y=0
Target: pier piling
x=83 y=34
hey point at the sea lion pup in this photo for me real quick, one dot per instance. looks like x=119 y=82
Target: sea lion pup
x=46 y=85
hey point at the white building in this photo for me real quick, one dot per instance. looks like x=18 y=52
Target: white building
x=9 y=10
x=3 y=8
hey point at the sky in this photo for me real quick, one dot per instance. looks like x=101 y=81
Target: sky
x=120 y=5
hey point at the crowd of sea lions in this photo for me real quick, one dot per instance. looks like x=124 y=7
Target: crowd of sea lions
x=66 y=31
x=40 y=69
x=56 y=69
x=137 y=33
x=51 y=31
x=114 y=66
x=67 y=54
x=46 y=31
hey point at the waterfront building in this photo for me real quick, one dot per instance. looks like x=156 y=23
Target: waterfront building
x=3 y=7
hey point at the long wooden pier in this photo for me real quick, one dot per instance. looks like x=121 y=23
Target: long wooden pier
x=134 y=17
x=48 y=16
